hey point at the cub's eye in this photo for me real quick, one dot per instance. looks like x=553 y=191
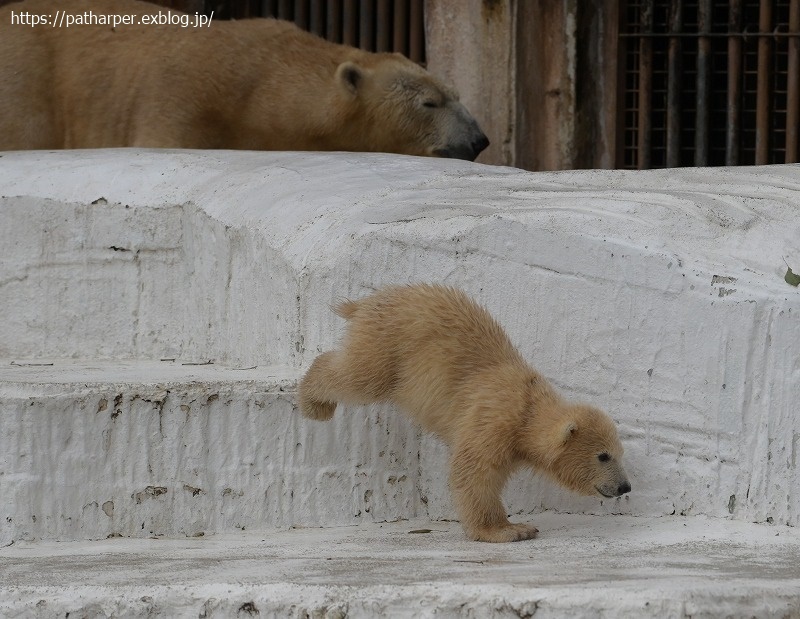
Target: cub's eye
x=429 y=103
x=604 y=457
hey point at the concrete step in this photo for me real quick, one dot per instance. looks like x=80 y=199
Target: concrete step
x=96 y=449
x=581 y=566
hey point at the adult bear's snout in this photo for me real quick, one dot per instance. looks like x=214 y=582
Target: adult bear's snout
x=469 y=151
x=479 y=145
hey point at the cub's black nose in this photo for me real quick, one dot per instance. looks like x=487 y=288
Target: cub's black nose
x=624 y=488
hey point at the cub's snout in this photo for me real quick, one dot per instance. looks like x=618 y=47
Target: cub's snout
x=612 y=491
x=613 y=480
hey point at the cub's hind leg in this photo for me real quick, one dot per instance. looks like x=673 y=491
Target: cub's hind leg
x=317 y=390
x=341 y=377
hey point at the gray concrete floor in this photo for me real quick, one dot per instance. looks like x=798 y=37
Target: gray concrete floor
x=581 y=566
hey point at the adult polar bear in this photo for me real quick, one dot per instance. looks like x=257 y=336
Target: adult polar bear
x=259 y=84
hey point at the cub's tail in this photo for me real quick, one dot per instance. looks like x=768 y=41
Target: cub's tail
x=346 y=308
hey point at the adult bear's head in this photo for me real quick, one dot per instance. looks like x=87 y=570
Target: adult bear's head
x=401 y=108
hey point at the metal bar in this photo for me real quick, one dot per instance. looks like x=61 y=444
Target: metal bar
x=334 y=21
x=793 y=87
x=400 y=41
x=416 y=48
x=712 y=35
x=316 y=17
x=644 y=131
x=762 y=84
x=734 y=85
x=269 y=8
x=703 y=76
x=366 y=26
x=617 y=75
x=673 y=87
x=350 y=30
x=286 y=9
x=383 y=36
x=301 y=14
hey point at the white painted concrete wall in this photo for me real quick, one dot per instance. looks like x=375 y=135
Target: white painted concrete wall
x=656 y=295
x=150 y=449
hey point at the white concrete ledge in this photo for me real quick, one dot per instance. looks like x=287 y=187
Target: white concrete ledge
x=657 y=295
x=581 y=566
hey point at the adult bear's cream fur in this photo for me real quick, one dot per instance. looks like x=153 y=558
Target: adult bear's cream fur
x=259 y=84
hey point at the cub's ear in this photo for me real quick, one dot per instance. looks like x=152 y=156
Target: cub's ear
x=567 y=431
x=549 y=444
x=350 y=76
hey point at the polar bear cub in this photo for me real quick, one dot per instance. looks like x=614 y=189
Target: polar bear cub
x=443 y=359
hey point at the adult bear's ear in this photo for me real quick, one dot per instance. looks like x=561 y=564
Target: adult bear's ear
x=350 y=76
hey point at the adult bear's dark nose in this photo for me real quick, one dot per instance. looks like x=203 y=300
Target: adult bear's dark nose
x=624 y=488
x=479 y=145
x=468 y=151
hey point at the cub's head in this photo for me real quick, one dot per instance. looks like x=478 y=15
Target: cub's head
x=578 y=446
x=402 y=109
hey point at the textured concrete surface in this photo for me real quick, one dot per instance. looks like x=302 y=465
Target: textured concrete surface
x=581 y=566
x=138 y=448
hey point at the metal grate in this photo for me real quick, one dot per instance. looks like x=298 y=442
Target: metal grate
x=372 y=25
x=710 y=83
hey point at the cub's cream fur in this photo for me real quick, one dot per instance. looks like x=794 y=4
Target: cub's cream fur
x=444 y=360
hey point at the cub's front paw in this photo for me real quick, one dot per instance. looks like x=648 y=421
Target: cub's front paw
x=505 y=533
